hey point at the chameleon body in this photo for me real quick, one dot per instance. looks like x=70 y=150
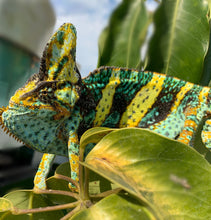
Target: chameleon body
x=55 y=107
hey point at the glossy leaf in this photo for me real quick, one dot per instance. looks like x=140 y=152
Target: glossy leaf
x=181 y=38
x=209 y=3
x=171 y=178
x=94 y=135
x=115 y=207
x=5 y=207
x=27 y=200
x=120 y=42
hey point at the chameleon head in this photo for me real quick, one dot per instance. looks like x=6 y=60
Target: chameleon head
x=37 y=112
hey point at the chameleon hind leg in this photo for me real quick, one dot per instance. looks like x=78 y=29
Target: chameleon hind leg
x=43 y=170
x=206 y=134
x=190 y=126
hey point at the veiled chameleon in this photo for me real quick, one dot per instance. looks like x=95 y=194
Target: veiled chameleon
x=55 y=107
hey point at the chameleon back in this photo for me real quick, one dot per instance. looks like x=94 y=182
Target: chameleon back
x=131 y=98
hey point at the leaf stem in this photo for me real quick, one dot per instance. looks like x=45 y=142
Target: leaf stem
x=107 y=193
x=68 y=179
x=17 y=211
x=57 y=192
x=70 y=214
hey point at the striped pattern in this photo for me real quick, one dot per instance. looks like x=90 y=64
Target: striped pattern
x=131 y=98
x=206 y=134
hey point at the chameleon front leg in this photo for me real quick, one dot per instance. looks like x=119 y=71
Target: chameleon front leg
x=73 y=152
x=43 y=170
x=206 y=134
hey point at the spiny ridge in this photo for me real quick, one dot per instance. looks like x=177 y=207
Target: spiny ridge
x=4 y=128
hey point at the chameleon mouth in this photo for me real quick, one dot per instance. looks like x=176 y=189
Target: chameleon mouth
x=4 y=128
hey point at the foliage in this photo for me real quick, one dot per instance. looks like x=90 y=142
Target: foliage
x=178 y=45
x=160 y=180
x=134 y=173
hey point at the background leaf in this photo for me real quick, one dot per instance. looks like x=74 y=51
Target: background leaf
x=206 y=77
x=170 y=177
x=120 y=42
x=181 y=38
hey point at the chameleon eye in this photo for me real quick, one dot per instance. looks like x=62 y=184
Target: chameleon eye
x=46 y=96
x=44 y=92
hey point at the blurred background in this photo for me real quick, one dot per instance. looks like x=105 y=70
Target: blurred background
x=25 y=27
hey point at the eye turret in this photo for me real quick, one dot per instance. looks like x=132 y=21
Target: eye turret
x=46 y=95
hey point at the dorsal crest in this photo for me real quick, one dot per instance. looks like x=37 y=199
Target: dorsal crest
x=58 y=61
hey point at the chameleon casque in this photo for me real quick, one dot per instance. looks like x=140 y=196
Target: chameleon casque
x=55 y=107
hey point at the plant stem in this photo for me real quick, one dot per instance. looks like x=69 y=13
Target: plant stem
x=86 y=184
x=81 y=174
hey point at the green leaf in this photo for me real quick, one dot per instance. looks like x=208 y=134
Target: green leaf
x=27 y=200
x=209 y=3
x=94 y=135
x=98 y=184
x=206 y=77
x=181 y=38
x=171 y=178
x=115 y=207
x=120 y=42
x=54 y=183
x=5 y=207
x=63 y=169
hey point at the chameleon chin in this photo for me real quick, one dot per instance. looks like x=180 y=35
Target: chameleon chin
x=55 y=106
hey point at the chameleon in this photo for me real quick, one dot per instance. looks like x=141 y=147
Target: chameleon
x=56 y=106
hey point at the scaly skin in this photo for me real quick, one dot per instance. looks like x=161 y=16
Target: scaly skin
x=55 y=107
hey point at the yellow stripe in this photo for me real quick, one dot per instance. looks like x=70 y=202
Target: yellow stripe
x=105 y=104
x=204 y=94
x=143 y=100
x=206 y=135
x=57 y=51
x=208 y=122
x=180 y=95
